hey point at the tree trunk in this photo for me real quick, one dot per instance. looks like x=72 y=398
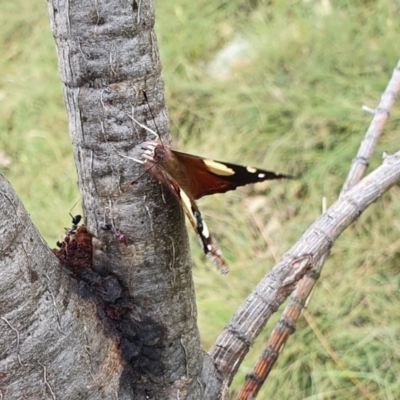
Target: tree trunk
x=128 y=330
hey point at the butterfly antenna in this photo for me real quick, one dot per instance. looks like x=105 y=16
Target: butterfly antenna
x=151 y=112
x=152 y=115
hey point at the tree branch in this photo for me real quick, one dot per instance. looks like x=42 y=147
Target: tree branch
x=381 y=114
x=234 y=342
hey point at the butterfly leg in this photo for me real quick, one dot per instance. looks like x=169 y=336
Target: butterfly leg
x=149 y=151
x=146 y=128
x=131 y=158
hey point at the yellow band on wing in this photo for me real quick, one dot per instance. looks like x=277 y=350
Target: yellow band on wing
x=218 y=168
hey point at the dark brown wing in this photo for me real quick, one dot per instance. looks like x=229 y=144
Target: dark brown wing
x=208 y=176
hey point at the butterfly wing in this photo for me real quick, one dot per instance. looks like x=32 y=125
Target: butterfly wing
x=161 y=162
x=190 y=177
x=206 y=176
x=209 y=246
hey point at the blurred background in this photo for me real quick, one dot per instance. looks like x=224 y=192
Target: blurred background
x=275 y=84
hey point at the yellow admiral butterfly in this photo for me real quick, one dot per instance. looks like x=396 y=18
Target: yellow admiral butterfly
x=190 y=177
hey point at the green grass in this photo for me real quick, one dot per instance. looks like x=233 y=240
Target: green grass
x=292 y=105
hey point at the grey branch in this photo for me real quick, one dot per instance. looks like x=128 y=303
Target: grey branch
x=234 y=342
x=382 y=112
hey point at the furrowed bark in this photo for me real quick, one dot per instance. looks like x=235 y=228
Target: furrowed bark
x=52 y=343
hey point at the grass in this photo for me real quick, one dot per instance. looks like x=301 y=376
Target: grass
x=291 y=104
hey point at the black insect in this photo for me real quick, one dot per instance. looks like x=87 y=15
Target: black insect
x=75 y=222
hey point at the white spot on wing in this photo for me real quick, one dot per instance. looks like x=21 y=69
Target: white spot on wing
x=206 y=232
x=261 y=176
x=218 y=168
x=251 y=169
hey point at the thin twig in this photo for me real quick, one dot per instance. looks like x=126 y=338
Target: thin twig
x=382 y=112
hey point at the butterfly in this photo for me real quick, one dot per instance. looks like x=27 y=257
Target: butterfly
x=190 y=177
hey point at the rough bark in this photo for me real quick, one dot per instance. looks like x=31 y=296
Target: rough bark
x=51 y=341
